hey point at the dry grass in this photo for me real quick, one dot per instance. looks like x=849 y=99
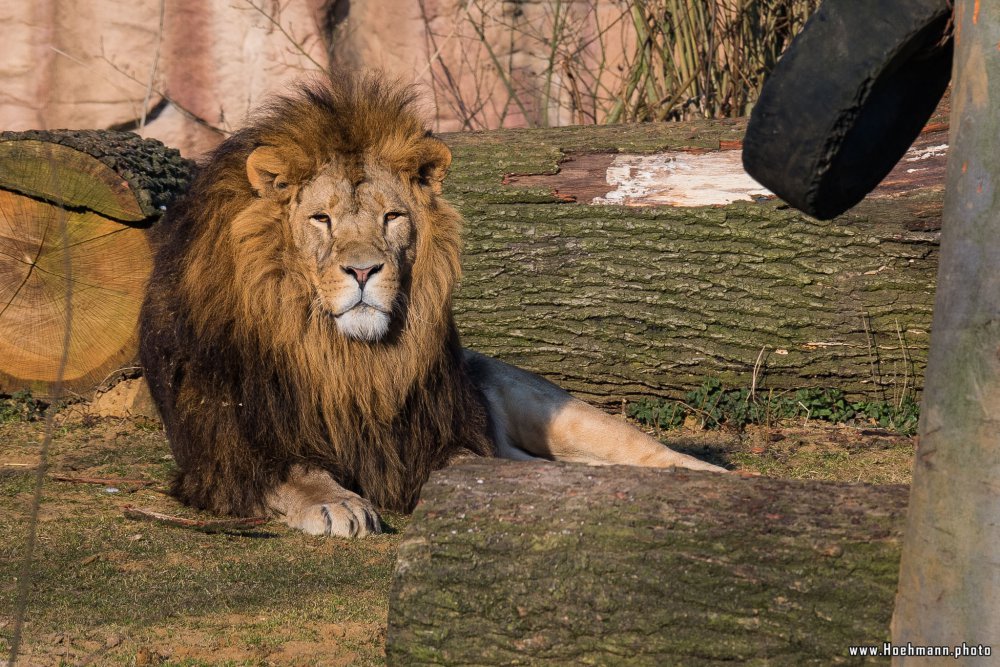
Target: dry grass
x=111 y=591
x=704 y=59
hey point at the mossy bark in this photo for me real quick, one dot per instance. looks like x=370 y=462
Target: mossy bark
x=540 y=563
x=620 y=302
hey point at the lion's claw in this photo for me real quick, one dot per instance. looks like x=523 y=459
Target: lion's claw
x=343 y=517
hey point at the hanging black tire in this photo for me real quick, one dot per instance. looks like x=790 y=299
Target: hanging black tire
x=847 y=99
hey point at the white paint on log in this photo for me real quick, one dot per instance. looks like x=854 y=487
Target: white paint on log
x=680 y=179
x=707 y=179
x=919 y=154
x=922 y=154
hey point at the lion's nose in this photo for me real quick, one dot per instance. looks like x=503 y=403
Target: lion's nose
x=362 y=274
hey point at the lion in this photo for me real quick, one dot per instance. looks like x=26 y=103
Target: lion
x=297 y=334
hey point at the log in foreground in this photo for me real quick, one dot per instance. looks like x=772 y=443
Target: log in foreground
x=75 y=207
x=543 y=563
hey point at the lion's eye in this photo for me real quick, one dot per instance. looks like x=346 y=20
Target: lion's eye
x=392 y=215
x=320 y=219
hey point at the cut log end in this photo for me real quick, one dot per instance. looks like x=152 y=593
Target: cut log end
x=62 y=268
x=117 y=174
x=74 y=251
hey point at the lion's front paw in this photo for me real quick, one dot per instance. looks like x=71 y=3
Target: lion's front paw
x=342 y=517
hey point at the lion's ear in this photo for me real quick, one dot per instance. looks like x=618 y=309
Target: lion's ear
x=270 y=170
x=435 y=158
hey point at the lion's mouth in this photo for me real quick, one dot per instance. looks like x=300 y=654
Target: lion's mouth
x=363 y=321
x=362 y=307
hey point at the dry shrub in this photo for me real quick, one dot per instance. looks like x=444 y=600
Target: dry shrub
x=558 y=62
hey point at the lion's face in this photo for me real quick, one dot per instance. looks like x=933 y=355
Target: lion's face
x=354 y=232
x=351 y=236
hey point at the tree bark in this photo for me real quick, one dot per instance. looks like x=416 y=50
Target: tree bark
x=618 y=302
x=949 y=584
x=612 y=302
x=543 y=563
x=119 y=175
x=74 y=251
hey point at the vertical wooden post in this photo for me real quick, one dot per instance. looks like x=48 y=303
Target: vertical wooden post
x=949 y=585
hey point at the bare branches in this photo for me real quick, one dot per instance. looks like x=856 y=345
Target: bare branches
x=203 y=525
x=128 y=485
x=274 y=18
x=585 y=62
x=152 y=68
x=174 y=103
x=147 y=84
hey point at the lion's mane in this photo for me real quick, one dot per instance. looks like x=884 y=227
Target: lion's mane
x=247 y=381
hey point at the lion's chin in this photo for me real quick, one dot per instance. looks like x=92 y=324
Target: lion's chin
x=363 y=322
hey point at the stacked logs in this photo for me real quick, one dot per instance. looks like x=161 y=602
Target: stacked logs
x=648 y=296
x=75 y=210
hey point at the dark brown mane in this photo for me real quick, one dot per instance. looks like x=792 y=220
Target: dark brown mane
x=247 y=382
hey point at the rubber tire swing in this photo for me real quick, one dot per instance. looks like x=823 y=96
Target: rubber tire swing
x=847 y=99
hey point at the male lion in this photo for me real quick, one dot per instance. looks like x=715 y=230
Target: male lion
x=297 y=332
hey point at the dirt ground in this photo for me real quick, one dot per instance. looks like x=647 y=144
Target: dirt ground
x=109 y=590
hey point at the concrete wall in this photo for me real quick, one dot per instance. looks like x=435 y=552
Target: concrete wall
x=188 y=71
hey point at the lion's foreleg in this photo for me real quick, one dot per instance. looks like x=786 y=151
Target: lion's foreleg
x=312 y=501
x=533 y=415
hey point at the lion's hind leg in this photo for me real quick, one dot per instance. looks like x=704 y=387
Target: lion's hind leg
x=313 y=502
x=535 y=418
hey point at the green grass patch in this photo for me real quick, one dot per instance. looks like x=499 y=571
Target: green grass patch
x=20 y=406
x=714 y=405
x=107 y=590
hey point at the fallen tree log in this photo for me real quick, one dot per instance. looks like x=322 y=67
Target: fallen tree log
x=76 y=206
x=646 y=294
x=617 y=302
x=541 y=563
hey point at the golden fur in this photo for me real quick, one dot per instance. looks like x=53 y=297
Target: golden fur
x=297 y=332
x=244 y=357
